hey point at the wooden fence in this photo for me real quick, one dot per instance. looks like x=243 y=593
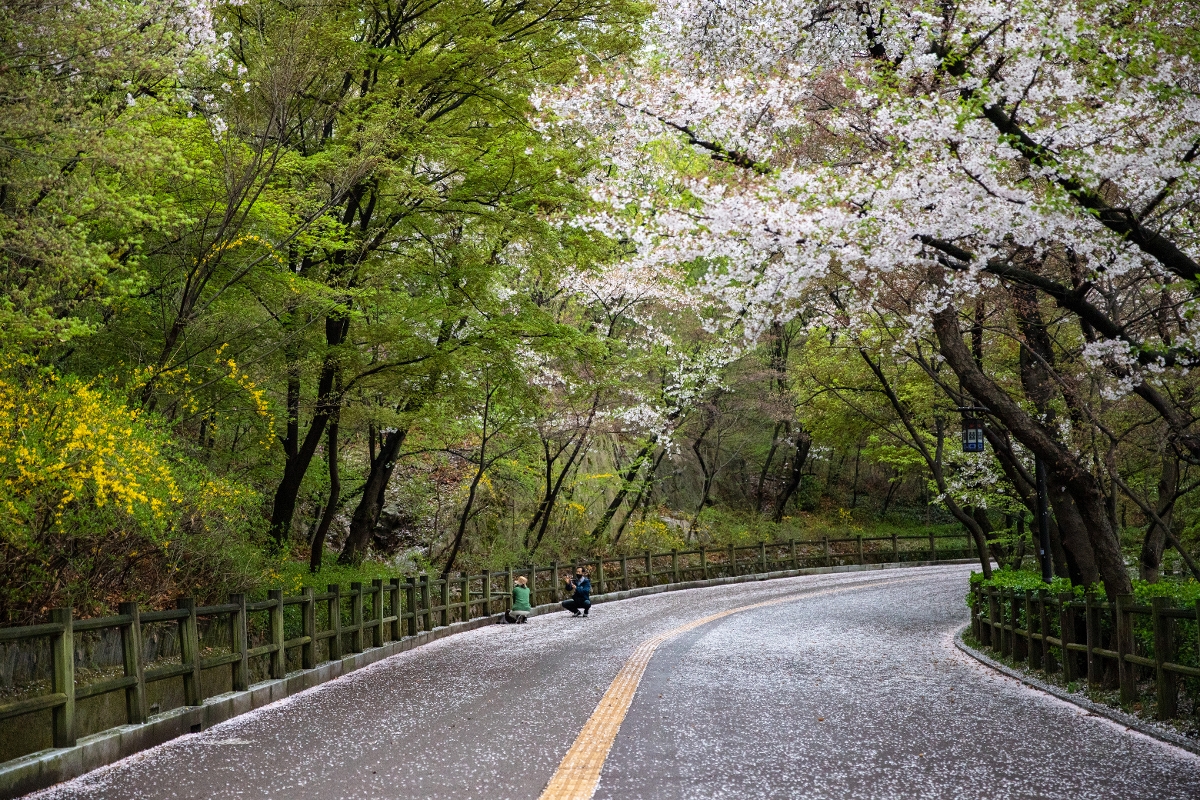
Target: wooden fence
x=312 y=627
x=1064 y=634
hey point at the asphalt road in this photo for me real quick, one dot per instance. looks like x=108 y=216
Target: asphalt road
x=854 y=693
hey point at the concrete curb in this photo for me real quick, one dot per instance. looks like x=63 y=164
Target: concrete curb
x=48 y=767
x=1129 y=721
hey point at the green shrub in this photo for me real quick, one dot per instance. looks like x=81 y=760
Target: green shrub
x=1021 y=579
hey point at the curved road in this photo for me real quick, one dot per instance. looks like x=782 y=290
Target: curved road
x=857 y=692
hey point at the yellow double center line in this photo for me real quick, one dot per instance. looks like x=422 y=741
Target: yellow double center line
x=579 y=773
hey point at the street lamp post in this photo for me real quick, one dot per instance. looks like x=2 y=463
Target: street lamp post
x=1043 y=507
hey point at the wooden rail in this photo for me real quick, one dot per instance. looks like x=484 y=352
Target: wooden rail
x=367 y=616
x=1078 y=637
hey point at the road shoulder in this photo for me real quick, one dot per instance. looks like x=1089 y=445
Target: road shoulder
x=1126 y=720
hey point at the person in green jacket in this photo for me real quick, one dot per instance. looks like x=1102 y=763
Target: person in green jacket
x=520 y=602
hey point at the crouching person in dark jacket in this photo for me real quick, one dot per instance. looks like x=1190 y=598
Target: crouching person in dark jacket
x=581 y=600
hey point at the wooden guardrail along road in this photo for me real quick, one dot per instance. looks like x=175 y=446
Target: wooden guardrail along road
x=269 y=636
x=1093 y=641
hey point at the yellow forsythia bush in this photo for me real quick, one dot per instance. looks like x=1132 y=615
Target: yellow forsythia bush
x=95 y=507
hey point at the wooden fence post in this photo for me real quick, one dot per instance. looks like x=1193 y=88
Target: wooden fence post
x=131 y=653
x=189 y=652
x=275 y=617
x=625 y=572
x=241 y=643
x=555 y=582
x=308 y=625
x=335 y=620
x=1033 y=649
x=795 y=555
x=1164 y=651
x=533 y=574
x=650 y=569
x=397 y=623
x=704 y=562
x=464 y=589
x=377 y=612
x=356 y=618
x=762 y=555
x=1001 y=624
x=599 y=574
x=982 y=630
x=861 y=559
x=895 y=549
x=1124 y=637
x=1091 y=619
x=828 y=555
x=994 y=638
x=932 y=546
x=1016 y=643
x=997 y=633
x=985 y=624
x=733 y=571
x=487 y=592
x=410 y=604
x=426 y=606
x=1066 y=632
x=446 y=597
x=674 y=565
x=975 y=626
x=1198 y=627
x=63 y=656
x=1047 y=655
x=1005 y=636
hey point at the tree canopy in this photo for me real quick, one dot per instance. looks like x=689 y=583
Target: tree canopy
x=472 y=282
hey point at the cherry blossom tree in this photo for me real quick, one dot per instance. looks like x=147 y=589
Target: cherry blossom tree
x=920 y=156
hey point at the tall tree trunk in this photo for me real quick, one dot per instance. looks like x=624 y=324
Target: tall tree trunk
x=1079 y=482
x=483 y=464
x=643 y=492
x=998 y=550
x=766 y=469
x=854 y=486
x=297 y=460
x=894 y=484
x=547 y=490
x=626 y=483
x=1071 y=551
x=291 y=439
x=705 y=472
x=1019 y=555
x=317 y=548
x=1022 y=483
x=541 y=518
x=1155 y=541
x=366 y=514
x=802 y=444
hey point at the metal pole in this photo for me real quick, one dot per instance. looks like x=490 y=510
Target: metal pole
x=1043 y=505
